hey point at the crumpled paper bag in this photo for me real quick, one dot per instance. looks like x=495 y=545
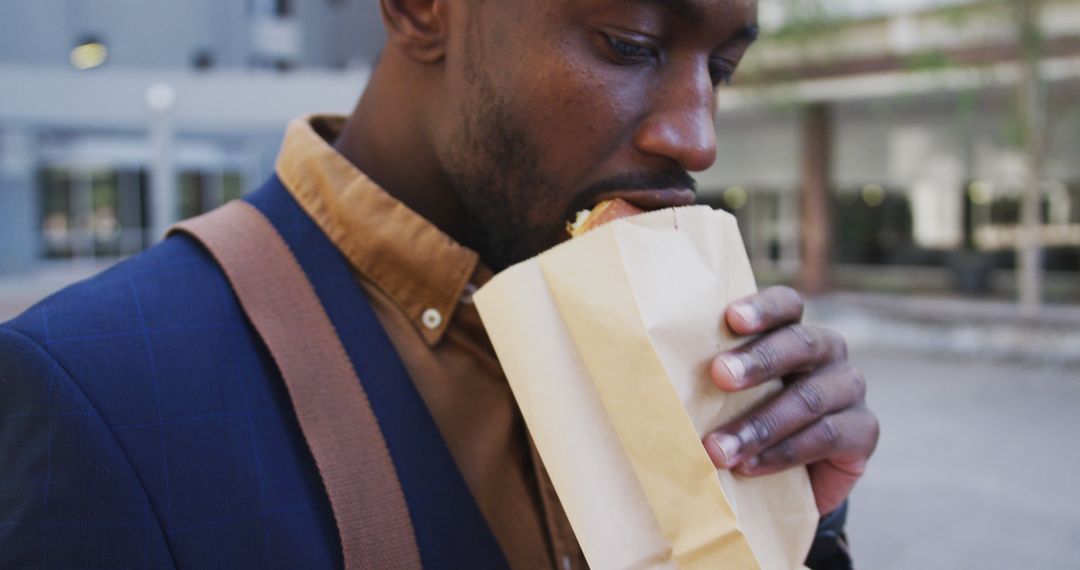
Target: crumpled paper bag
x=606 y=341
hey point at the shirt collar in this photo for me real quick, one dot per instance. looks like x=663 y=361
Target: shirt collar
x=420 y=268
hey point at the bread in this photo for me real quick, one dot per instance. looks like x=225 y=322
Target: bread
x=604 y=212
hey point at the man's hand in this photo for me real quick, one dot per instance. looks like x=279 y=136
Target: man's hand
x=820 y=419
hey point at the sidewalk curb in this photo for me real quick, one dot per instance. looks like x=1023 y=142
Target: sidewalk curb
x=951 y=328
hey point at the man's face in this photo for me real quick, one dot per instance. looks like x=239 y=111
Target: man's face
x=554 y=105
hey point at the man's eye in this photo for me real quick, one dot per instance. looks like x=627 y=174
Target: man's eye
x=631 y=51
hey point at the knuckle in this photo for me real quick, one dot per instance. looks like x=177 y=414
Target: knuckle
x=811 y=398
x=831 y=344
x=839 y=344
x=806 y=337
x=786 y=452
x=875 y=431
x=830 y=435
x=858 y=380
x=763 y=427
x=767 y=357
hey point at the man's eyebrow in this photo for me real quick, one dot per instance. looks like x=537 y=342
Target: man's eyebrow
x=690 y=10
x=684 y=8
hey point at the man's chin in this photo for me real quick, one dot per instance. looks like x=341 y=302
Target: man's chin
x=509 y=251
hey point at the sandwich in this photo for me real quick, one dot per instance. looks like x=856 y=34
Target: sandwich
x=604 y=212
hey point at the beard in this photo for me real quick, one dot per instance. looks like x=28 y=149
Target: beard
x=494 y=168
x=495 y=171
x=514 y=207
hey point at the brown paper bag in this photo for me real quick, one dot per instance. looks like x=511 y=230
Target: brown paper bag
x=606 y=341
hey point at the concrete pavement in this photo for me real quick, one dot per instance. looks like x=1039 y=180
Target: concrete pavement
x=978 y=466
x=19 y=291
x=968 y=329
x=978 y=462
x=979 y=459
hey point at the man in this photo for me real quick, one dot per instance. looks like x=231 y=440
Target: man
x=145 y=424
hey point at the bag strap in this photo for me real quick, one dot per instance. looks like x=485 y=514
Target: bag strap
x=332 y=408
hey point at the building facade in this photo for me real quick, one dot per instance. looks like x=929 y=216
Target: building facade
x=922 y=156
x=118 y=118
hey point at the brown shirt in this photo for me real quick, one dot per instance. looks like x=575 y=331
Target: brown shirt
x=420 y=282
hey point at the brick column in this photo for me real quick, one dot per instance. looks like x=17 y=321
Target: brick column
x=815 y=198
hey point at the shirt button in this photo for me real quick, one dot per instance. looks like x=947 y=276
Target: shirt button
x=467 y=295
x=432 y=319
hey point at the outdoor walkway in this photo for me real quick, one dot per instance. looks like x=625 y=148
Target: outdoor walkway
x=978 y=460
x=19 y=291
x=984 y=331
x=977 y=464
x=976 y=467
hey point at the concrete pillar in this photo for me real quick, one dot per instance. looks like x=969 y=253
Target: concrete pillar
x=19 y=237
x=164 y=205
x=1032 y=107
x=815 y=198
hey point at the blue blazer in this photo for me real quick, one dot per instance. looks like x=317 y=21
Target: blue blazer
x=143 y=424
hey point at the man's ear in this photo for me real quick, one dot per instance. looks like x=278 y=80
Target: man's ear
x=417 y=27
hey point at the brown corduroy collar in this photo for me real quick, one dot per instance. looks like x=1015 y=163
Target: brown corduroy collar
x=420 y=268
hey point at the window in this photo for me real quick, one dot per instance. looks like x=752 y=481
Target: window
x=872 y=225
x=277 y=8
x=202 y=191
x=92 y=213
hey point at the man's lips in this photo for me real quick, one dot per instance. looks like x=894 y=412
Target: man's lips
x=649 y=200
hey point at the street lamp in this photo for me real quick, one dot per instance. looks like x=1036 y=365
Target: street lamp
x=88 y=54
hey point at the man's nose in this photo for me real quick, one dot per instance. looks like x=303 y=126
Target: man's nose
x=681 y=125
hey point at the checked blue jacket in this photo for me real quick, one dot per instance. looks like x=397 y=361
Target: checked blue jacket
x=143 y=424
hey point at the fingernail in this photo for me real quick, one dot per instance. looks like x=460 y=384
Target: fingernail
x=748 y=313
x=727 y=447
x=735 y=366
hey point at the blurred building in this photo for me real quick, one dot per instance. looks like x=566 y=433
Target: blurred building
x=119 y=117
x=910 y=120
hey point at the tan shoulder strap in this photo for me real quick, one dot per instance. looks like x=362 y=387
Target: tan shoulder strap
x=331 y=406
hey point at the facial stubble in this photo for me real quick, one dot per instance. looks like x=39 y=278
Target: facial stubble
x=495 y=169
